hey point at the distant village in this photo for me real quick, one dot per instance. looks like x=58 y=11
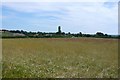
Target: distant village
x=59 y=34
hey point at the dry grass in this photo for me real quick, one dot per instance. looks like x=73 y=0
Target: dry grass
x=60 y=58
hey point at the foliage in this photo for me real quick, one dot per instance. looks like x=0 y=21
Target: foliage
x=59 y=34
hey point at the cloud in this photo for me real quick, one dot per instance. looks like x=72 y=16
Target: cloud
x=60 y=0
x=88 y=17
x=32 y=7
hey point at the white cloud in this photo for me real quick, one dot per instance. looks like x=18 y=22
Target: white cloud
x=91 y=18
x=86 y=16
x=32 y=7
x=59 y=0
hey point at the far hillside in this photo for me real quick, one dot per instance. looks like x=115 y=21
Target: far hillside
x=6 y=33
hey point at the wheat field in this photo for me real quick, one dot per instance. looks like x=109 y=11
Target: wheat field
x=60 y=58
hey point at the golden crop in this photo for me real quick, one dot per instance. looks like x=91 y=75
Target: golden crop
x=60 y=58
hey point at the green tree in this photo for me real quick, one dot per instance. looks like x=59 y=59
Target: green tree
x=59 y=29
x=99 y=34
x=80 y=34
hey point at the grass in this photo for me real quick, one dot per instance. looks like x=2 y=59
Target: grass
x=60 y=58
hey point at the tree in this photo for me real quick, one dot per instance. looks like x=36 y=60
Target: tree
x=59 y=29
x=80 y=33
x=69 y=33
x=99 y=34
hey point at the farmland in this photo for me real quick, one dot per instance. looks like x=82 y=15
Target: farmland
x=60 y=58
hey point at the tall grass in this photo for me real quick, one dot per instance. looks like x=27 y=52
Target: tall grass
x=60 y=58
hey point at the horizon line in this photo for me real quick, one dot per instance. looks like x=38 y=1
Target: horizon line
x=57 y=31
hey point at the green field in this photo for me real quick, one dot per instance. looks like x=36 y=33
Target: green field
x=60 y=58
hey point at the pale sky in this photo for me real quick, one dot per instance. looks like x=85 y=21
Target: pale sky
x=74 y=17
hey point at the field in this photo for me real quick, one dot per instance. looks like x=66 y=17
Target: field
x=60 y=58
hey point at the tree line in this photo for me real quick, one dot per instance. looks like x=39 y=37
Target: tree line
x=58 y=34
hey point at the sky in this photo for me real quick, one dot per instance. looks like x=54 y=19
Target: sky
x=74 y=17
